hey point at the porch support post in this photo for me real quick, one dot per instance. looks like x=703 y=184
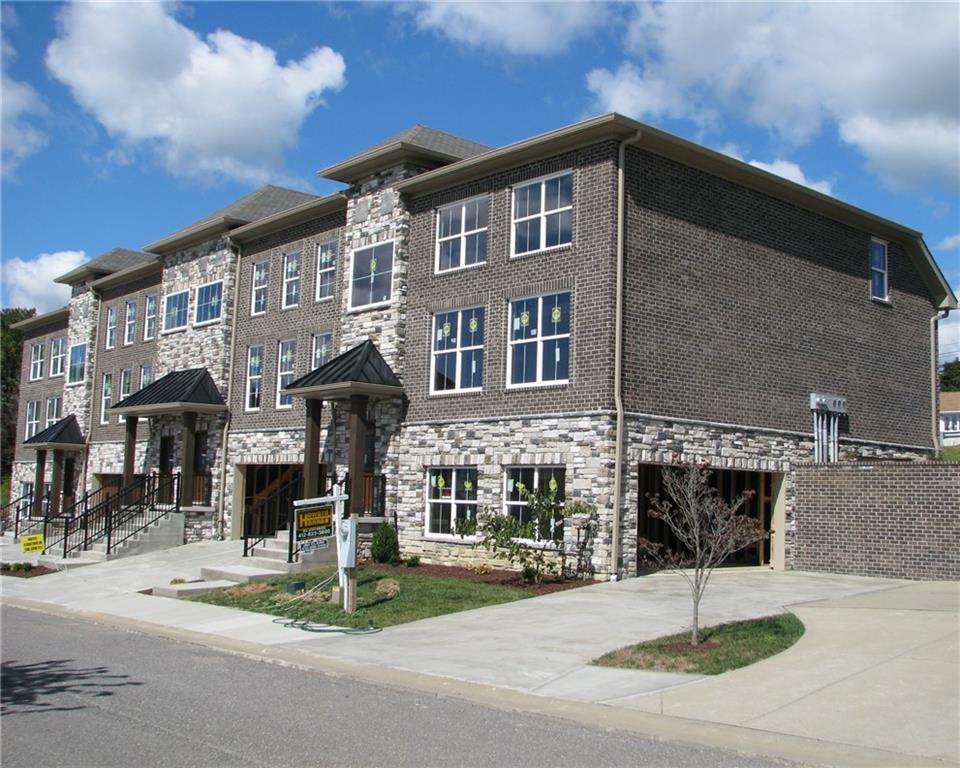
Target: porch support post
x=311 y=449
x=56 y=482
x=187 y=458
x=129 y=450
x=38 y=482
x=358 y=444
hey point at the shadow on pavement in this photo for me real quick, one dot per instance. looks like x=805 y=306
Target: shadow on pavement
x=53 y=686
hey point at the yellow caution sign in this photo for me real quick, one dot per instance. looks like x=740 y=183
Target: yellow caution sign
x=32 y=543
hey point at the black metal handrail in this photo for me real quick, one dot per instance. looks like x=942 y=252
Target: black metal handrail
x=268 y=515
x=21 y=509
x=148 y=507
x=374 y=492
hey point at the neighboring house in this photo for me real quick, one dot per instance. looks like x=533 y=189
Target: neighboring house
x=950 y=418
x=568 y=312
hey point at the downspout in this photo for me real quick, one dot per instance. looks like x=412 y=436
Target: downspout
x=221 y=513
x=934 y=383
x=618 y=360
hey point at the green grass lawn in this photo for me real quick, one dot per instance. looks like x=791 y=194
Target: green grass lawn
x=722 y=648
x=420 y=597
x=950 y=453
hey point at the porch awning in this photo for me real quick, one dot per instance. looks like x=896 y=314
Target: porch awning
x=177 y=392
x=358 y=371
x=65 y=435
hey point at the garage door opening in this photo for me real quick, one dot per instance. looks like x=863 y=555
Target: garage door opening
x=730 y=483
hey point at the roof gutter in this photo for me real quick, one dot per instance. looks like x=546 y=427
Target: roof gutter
x=195 y=234
x=37 y=320
x=130 y=273
x=290 y=217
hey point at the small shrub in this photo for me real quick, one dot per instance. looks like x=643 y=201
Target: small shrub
x=529 y=575
x=388 y=587
x=385 y=548
x=479 y=568
x=4 y=566
x=178 y=580
x=413 y=561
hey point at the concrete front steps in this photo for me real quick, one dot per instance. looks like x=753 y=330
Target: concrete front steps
x=164 y=533
x=268 y=561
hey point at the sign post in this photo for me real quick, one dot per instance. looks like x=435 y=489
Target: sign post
x=317 y=521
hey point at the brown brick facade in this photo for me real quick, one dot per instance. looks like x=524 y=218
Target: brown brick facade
x=43 y=388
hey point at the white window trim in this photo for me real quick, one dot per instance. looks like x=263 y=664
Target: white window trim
x=885 y=271
x=69 y=359
x=280 y=344
x=313 y=348
x=127 y=325
x=142 y=368
x=542 y=215
x=186 y=322
x=111 y=313
x=286 y=280
x=254 y=288
x=37 y=360
x=104 y=400
x=336 y=253
x=507 y=504
x=539 y=340
x=34 y=406
x=48 y=421
x=453 y=502
x=246 y=389
x=61 y=357
x=393 y=274
x=196 y=305
x=120 y=393
x=458 y=350
x=462 y=236
x=147 y=317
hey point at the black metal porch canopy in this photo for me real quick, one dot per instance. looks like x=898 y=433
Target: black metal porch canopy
x=358 y=375
x=60 y=438
x=64 y=435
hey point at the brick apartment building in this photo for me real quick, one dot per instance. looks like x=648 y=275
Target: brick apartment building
x=569 y=312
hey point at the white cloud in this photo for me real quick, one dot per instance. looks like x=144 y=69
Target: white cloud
x=29 y=283
x=785 y=168
x=886 y=75
x=517 y=28
x=215 y=106
x=949 y=243
x=20 y=105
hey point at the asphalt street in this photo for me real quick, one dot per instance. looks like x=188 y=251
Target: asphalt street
x=75 y=693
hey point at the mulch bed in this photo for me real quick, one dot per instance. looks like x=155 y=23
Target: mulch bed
x=36 y=570
x=502 y=578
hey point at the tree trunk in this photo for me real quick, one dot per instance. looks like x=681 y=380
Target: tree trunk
x=695 y=632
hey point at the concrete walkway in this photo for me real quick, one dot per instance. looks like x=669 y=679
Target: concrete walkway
x=874 y=681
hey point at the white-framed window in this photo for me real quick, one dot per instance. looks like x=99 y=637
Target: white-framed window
x=111 y=338
x=291 y=280
x=58 y=353
x=130 y=323
x=36 y=361
x=451 y=496
x=462 y=234
x=77 y=372
x=150 y=317
x=261 y=285
x=458 y=350
x=543 y=214
x=326 y=269
x=33 y=419
x=175 y=306
x=208 y=303
x=518 y=481
x=371 y=276
x=539 y=340
x=146 y=375
x=879 y=283
x=322 y=348
x=254 y=378
x=126 y=387
x=54 y=410
x=106 y=396
x=286 y=367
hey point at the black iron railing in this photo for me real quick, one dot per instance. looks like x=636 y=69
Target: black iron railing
x=374 y=493
x=18 y=514
x=268 y=515
x=202 y=489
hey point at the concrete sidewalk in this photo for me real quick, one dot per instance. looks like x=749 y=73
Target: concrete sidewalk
x=874 y=681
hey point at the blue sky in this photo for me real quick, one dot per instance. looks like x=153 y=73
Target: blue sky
x=123 y=123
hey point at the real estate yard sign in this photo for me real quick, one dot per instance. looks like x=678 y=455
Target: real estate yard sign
x=314 y=527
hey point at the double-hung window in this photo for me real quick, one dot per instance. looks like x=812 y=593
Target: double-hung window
x=458 y=350
x=126 y=387
x=291 y=280
x=111 y=339
x=33 y=419
x=543 y=214
x=175 y=312
x=146 y=375
x=54 y=409
x=371 y=280
x=261 y=283
x=879 y=284
x=150 y=317
x=462 y=234
x=539 y=340
x=77 y=372
x=36 y=361
x=208 y=303
x=286 y=366
x=326 y=269
x=106 y=395
x=520 y=481
x=451 y=497
x=58 y=353
x=254 y=377
x=322 y=347
x=130 y=323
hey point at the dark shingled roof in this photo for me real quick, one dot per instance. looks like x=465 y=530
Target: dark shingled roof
x=361 y=365
x=65 y=431
x=107 y=264
x=193 y=386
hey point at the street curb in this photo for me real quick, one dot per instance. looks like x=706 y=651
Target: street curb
x=737 y=739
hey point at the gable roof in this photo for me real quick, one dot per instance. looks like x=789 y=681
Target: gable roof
x=107 y=264
x=358 y=371
x=64 y=434
x=259 y=204
x=418 y=143
x=190 y=390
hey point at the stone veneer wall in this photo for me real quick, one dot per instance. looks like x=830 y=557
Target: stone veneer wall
x=78 y=398
x=894 y=520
